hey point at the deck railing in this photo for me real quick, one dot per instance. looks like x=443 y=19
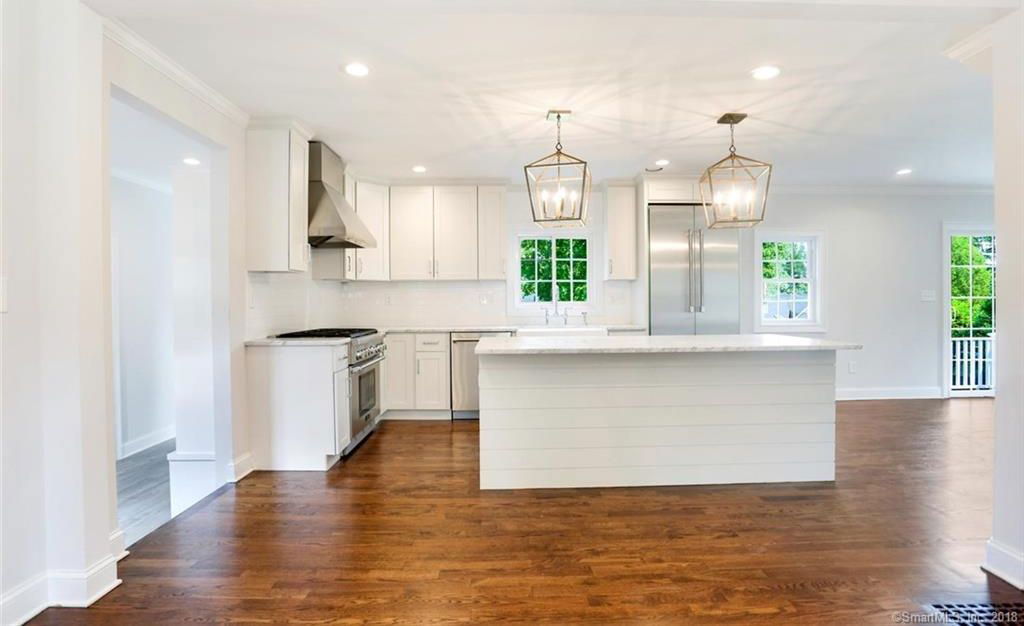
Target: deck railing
x=973 y=361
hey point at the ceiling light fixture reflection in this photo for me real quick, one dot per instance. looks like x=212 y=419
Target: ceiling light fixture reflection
x=356 y=69
x=419 y=169
x=661 y=162
x=904 y=172
x=765 y=72
x=190 y=161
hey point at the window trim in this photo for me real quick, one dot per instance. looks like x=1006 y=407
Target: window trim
x=555 y=304
x=815 y=275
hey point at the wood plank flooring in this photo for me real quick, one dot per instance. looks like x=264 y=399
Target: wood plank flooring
x=144 y=491
x=400 y=534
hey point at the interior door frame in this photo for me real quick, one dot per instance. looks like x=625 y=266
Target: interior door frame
x=949 y=230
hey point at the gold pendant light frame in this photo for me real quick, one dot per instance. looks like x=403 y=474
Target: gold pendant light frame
x=558 y=184
x=734 y=190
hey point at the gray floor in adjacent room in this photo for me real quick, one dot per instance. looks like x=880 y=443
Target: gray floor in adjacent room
x=144 y=491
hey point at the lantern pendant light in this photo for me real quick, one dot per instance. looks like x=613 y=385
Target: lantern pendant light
x=734 y=191
x=558 y=184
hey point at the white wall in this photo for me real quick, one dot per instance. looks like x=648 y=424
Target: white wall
x=282 y=302
x=57 y=437
x=1005 y=550
x=882 y=249
x=141 y=223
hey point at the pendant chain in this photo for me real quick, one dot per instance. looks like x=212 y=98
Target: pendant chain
x=558 y=122
x=732 y=139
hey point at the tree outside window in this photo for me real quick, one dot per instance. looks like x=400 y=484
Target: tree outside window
x=972 y=277
x=553 y=269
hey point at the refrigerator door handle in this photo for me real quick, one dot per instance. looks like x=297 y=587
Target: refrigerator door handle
x=700 y=235
x=690 y=268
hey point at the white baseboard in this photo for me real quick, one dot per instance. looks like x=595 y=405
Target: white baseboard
x=80 y=588
x=117 y=547
x=393 y=414
x=25 y=601
x=887 y=393
x=148 y=440
x=241 y=467
x=1003 y=561
x=73 y=588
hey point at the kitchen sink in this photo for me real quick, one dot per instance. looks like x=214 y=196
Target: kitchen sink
x=562 y=331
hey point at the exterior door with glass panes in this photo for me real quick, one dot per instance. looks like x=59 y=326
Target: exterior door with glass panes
x=970 y=303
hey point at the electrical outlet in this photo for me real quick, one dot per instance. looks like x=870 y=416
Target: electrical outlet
x=387 y=300
x=927 y=295
x=852 y=367
x=484 y=300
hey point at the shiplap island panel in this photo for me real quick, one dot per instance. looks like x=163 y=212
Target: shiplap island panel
x=624 y=411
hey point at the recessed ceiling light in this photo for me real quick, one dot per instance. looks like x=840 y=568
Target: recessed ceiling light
x=661 y=162
x=356 y=69
x=904 y=172
x=190 y=161
x=419 y=169
x=765 y=72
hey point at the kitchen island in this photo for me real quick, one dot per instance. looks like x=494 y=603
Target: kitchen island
x=656 y=410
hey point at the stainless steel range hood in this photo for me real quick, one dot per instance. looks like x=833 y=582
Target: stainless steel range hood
x=333 y=222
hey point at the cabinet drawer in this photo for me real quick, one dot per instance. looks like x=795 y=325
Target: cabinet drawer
x=340 y=358
x=432 y=342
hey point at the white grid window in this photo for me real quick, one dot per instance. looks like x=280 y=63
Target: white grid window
x=788 y=285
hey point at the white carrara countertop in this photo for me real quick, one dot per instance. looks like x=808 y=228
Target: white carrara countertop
x=640 y=344
x=312 y=341
x=485 y=329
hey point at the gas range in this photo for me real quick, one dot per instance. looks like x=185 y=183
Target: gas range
x=366 y=345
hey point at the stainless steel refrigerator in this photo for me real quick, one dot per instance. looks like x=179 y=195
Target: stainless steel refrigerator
x=694 y=273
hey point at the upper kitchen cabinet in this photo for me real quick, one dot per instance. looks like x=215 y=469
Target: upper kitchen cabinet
x=277 y=197
x=672 y=189
x=491 y=244
x=372 y=207
x=455 y=233
x=620 y=234
x=412 y=233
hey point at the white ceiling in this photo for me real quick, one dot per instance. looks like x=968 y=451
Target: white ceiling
x=146 y=148
x=462 y=87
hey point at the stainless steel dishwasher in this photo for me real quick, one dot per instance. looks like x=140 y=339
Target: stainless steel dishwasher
x=465 y=372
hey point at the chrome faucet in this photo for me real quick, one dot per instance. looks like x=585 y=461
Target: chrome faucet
x=584 y=314
x=547 y=316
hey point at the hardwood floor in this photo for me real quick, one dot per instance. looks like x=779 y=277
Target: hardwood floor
x=400 y=534
x=144 y=491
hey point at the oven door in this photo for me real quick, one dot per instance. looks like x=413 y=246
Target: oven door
x=364 y=397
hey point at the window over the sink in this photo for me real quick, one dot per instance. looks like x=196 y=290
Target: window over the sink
x=553 y=269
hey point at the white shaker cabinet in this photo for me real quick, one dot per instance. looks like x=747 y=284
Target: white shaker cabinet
x=620 y=234
x=491 y=244
x=417 y=376
x=372 y=207
x=433 y=387
x=455 y=233
x=277 y=197
x=412 y=233
x=672 y=189
x=399 y=372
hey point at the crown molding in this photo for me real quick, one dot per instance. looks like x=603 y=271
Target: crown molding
x=128 y=39
x=279 y=121
x=883 y=190
x=975 y=49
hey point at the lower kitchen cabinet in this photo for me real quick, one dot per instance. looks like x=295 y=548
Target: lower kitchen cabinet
x=417 y=376
x=433 y=381
x=399 y=372
x=298 y=401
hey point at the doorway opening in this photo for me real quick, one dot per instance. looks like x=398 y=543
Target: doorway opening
x=162 y=314
x=969 y=334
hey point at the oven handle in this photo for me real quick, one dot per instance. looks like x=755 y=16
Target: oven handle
x=359 y=368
